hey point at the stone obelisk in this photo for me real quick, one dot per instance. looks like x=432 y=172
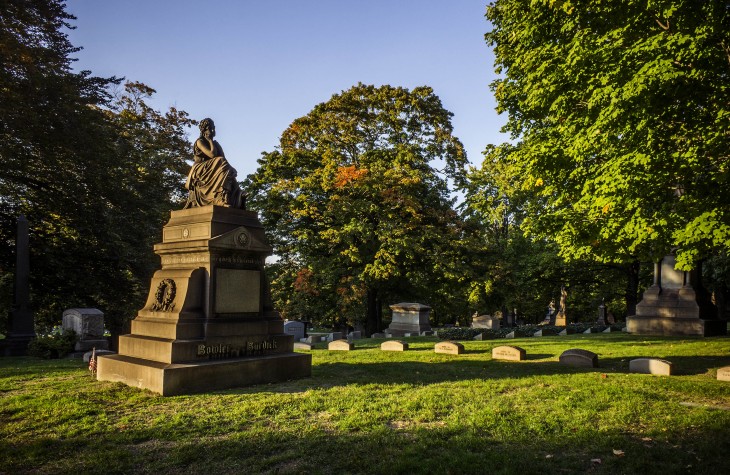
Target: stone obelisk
x=21 y=327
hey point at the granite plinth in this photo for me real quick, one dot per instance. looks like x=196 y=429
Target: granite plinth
x=410 y=318
x=208 y=322
x=186 y=378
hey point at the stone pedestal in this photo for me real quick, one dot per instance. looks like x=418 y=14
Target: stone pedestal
x=208 y=322
x=409 y=318
x=676 y=304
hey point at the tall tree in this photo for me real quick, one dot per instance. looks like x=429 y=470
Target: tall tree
x=92 y=173
x=356 y=205
x=620 y=112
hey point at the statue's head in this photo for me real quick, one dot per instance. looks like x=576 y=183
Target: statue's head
x=206 y=124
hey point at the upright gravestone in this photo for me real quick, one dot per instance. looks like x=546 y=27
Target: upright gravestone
x=21 y=328
x=449 y=348
x=485 y=321
x=295 y=329
x=676 y=304
x=88 y=324
x=509 y=353
x=409 y=318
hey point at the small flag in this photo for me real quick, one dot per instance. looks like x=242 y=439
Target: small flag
x=92 y=361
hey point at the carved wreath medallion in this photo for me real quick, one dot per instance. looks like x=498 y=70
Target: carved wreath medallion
x=243 y=239
x=164 y=296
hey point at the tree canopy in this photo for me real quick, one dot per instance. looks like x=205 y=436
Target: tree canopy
x=94 y=169
x=621 y=121
x=357 y=202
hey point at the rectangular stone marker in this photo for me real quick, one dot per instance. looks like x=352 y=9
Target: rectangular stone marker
x=563 y=332
x=340 y=345
x=377 y=335
x=723 y=374
x=587 y=332
x=449 y=348
x=479 y=337
x=607 y=330
x=510 y=353
x=578 y=357
x=510 y=335
x=409 y=334
x=394 y=345
x=298 y=345
x=355 y=335
x=295 y=329
x=88 y=323
x=427 y=333
x=651 y=366
x=538 y=333
x=334 y=336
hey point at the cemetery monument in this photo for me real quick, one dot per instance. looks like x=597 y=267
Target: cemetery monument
x=676 y=304
x=208 y=322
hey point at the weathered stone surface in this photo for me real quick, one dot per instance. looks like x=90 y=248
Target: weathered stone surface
x=428 y=333
x=510 y=353
x=607 y=330
x=377 y=335
x=537 y=333
x=88 y=324
x=394 y=345
x=295 y=329
x=449 y=348
x=334 y=336
x=355 y=335
x=298 y=345
x=208 y=322
x=409 y=318
x=485 y=321
x=579 y=357
x=650 y=366
x=510 y=335
x=587 y=332
x=478 y=337
x=676 y=304
x=563 y=332
x=340 y=345
x=723 y=374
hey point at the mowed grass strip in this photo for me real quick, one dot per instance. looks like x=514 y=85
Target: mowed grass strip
x=369 y=411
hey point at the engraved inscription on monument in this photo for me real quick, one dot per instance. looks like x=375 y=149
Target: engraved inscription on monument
x=237 y=291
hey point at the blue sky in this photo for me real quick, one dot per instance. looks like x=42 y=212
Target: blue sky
x=255 y=66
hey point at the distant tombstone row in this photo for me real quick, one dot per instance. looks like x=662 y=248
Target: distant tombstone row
x=575 y=357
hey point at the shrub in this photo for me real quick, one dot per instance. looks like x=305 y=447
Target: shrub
x=57 y=344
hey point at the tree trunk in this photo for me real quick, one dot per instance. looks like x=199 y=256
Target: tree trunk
x=371 y=321
x=632 y=287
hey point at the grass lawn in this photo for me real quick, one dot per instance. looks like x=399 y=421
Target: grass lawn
x=368 y=411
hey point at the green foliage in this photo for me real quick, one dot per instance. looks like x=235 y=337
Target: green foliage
x=619 y=111
x=56 y=344
x=390 y=412
x=356 y=208
x=95 y=174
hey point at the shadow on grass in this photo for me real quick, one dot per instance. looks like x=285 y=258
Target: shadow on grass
x=388 y=447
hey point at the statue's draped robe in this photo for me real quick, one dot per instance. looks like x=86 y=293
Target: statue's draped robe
x=212 y=181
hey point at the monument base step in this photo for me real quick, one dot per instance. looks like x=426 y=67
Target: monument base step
x=209 y=375
x=653 y=325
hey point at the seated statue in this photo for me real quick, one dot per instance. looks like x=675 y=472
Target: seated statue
x=212 y=180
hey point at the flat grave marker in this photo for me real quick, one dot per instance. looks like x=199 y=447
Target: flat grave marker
x=449 y=348
x=723 y=374
x=579 y=357
x=340 y=345
x=394 y=345
x=509 y=353
x=651 y=366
